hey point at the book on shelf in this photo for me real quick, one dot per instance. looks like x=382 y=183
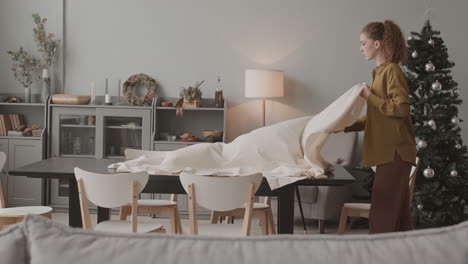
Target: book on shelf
x=5 y=124
x=16 y=121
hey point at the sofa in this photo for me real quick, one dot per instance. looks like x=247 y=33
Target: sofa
x=40 y=240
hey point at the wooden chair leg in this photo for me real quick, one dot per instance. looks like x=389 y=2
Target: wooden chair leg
x=322 y=226
x=47 y=215
x=124 y=212
x=271 y=222
x=173 y=220
x=179 y=224
x=264 y=222
x=214 y=217
x=343 y=220
x=228 y=219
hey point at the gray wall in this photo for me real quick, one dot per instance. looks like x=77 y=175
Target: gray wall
x=16 y=25
x=180 y=42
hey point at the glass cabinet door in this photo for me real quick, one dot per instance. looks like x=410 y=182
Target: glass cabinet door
x=125 y=129
x=122 y=133
x=75 y=132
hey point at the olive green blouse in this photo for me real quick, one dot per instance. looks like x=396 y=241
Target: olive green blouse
x=387 y=126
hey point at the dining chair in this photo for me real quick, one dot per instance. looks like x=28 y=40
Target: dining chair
x=363 y=209
x=220 y=193
x=14 y=215
x=162 y=207
x=110 y=191
x=261 y=211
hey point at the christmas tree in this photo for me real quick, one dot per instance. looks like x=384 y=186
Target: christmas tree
x=441 y=190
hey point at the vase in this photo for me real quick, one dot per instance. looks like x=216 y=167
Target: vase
x=27 y=95
x=45 y=92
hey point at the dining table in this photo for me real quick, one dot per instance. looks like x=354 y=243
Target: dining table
x=63 y=168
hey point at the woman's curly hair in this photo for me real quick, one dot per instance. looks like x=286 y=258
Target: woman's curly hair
x=393 y=44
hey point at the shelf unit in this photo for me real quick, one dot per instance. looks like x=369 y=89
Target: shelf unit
x=194 y=121
x=21 y=151
x=96 y=131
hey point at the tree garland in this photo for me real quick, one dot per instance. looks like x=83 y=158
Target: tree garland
x=133 y=82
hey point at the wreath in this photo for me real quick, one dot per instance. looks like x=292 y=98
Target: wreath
x=133 y=82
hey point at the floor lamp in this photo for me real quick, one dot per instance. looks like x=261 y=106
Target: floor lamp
x=263 y=84
x=268 y=84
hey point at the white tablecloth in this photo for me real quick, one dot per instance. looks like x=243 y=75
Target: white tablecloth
x=284 y=153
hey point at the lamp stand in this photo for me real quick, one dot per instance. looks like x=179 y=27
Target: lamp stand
x=263 y=107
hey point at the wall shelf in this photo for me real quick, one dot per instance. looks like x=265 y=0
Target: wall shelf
x=124 y=127
x=77 y=126
x=16 y=137
x=23 y=104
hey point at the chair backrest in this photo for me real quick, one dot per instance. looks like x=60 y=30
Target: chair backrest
x=220 y=193
x=2 y=163
x=412 y=180
x=111 y=190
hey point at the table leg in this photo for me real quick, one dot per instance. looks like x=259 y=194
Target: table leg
x=74 y=212
x=103 y=214
x=286 y=209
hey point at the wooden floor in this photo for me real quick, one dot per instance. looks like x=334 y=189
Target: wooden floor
x=312 y=228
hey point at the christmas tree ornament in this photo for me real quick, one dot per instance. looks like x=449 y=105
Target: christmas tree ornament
x=422 y=144
x=456 y=92
x=410 y=38
x=436 y=86
x=420 y=206
x=458 y=146
x=453 y=173
x=455 y=121
x=414 y=54
x=431 y=123
x=430 y=67
x=431 y=42
x=428 y=172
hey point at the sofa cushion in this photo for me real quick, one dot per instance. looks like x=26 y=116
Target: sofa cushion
x=13 y=245
x=55 y=243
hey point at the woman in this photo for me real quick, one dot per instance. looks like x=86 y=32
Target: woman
x=388 y=130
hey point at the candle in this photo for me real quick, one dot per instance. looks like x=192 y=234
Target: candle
x=119 y=91
x=107 y=97
x=93 y=92
x=107 y=86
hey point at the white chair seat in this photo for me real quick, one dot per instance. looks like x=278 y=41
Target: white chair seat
x=143 y=226
x=208 y=229
x=25 y=210
x=363 y=206
x=259 y=206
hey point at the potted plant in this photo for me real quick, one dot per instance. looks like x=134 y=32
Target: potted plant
x=48 y=47
x=192 y=95
x=25 y=68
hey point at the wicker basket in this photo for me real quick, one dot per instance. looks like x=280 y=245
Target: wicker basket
x=193 y=104
x=36 y=132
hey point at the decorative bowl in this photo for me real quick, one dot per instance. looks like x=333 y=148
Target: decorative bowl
x=213 y=133
x=166 y=104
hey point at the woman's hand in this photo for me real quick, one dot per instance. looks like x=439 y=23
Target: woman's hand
x=365 y=90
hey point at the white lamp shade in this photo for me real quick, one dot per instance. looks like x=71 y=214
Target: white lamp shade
x=263 y=84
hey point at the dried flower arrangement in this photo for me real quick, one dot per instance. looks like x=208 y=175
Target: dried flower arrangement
x=47 y=46
x=25 y=67
x=191 y=94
